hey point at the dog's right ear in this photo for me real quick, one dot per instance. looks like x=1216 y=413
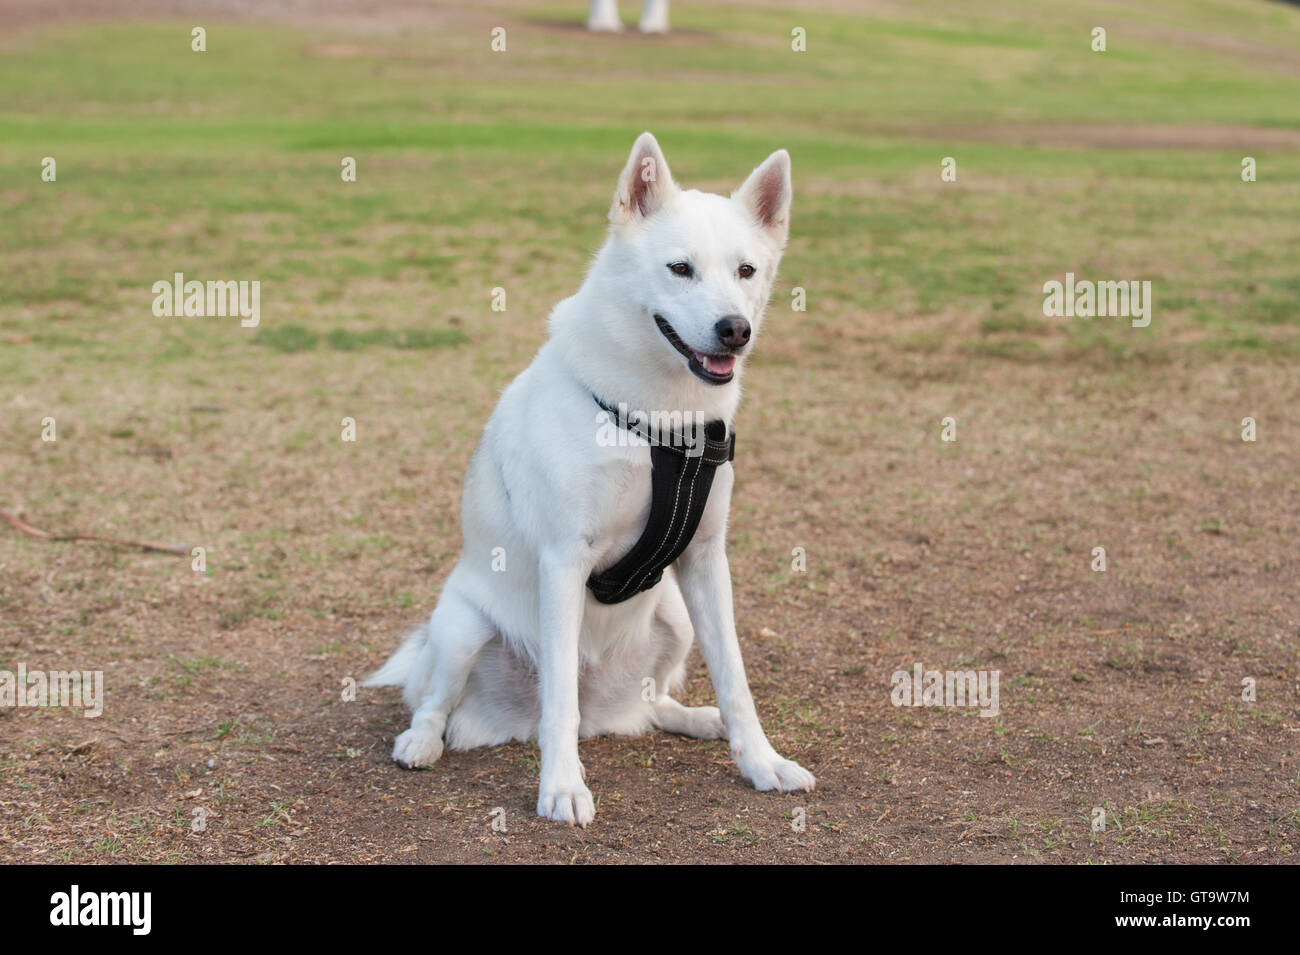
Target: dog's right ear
x=645 y=183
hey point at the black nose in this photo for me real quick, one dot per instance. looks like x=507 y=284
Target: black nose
x=733 y=331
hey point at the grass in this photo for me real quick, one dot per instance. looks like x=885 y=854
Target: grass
x=474 y=172
x=292 y=337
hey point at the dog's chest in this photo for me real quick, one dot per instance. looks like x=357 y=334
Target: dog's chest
x=626 y=505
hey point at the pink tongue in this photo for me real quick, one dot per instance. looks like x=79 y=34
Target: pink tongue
x=717 y=365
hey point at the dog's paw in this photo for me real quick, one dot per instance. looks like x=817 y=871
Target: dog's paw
x=416 y=749
x=768 y=771
x=570 y=803
x=705 y=722
x=697 y=722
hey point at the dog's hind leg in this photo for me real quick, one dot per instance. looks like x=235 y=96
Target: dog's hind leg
x=672 y=625
x=698 y=722
x=458 y=630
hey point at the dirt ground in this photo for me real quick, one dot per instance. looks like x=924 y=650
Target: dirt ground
x=1120 y=689
x=229 y=740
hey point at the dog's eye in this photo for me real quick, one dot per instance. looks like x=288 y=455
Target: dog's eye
x=746 y=271
x=681 y=268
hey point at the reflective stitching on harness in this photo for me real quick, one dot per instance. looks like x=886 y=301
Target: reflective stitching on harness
x=677 y=497
x=668 y=530
x=690 y=494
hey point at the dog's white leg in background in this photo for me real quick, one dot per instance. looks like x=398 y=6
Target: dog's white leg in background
x=705 y=578
x=697 y=722
x=562 y=795
x=603 y=15
x=457 y=632
x=672 y=626
x=654 y=17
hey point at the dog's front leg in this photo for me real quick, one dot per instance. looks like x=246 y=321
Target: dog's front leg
x=705 y=578
x=563 y=795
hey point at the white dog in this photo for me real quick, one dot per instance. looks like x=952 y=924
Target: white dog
x=561 y=618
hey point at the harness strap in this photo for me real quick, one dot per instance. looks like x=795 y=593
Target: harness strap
x=680 y=478
x=716 y=450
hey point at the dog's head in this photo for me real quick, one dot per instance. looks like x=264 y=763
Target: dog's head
x=697 y=268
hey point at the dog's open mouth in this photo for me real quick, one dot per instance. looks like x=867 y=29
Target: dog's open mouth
x=715 y=369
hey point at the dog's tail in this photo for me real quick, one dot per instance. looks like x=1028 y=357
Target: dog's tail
x=398 y=670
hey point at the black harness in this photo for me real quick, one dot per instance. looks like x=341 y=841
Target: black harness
x=681 y=474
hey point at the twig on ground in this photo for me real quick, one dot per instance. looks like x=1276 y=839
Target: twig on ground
x=21 y=525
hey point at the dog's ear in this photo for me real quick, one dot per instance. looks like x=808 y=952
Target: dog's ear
x=645 y=183
x=767 y=193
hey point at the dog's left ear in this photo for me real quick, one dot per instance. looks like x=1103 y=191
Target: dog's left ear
x=645 y=183
x=767 y=193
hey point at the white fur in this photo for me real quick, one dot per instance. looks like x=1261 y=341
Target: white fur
x=527 y=651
